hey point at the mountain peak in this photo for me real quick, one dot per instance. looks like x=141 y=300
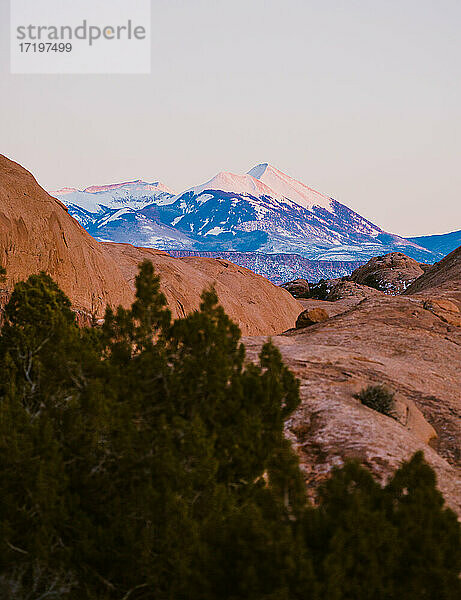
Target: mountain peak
x=93 y=189
x=138 y=183
x=226 y=181
x=289 y=187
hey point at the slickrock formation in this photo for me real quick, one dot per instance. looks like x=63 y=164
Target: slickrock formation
x=397 y=341
x=255 y=303
x=446 y=310
x=440 y=287
x=37 y=233
x=443 y=278
x=391 y=273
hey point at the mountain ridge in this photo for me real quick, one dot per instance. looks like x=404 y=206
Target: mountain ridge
x=264 y=210
x=443 y=243
x=289 y=187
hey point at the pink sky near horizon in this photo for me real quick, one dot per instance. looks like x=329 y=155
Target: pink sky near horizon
x=359 y=100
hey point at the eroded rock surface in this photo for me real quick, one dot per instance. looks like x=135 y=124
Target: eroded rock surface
x=444 y=276
x=445 y=309
x=252 y=301
x=37 y=234
x=386 y=340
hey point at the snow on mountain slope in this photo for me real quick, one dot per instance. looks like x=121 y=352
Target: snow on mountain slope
x=90 y=204
x=131 y=185
x=266 y=180
x=286 y=186
x=236 y=184
x=130 y=194
x=127 y=225
x=63 y=191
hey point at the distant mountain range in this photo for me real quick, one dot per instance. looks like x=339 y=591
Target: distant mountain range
x=264 y=211
x=441 y=244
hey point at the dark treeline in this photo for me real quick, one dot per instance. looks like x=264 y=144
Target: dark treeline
x=143 y=459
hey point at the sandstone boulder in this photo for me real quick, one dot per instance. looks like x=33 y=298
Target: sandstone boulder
x=350 y=289
x=392 y=273
x=311 y=316
x=299 y=288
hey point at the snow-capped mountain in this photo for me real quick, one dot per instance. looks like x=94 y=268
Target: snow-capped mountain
x=113 y=191
x=263 y=210
x=94 y=203
x=287 y=187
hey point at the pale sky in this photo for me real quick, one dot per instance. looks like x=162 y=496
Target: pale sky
x=360 y=99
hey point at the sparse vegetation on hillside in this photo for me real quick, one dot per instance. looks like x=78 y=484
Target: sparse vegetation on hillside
x=379 y=398
x=144 y=460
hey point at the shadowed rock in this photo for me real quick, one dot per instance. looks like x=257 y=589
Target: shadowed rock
x=299 y=288
x=444 y=276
